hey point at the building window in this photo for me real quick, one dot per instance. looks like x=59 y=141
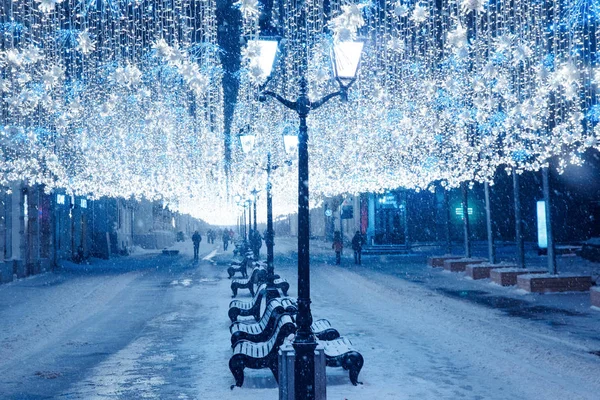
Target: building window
x=83 y=203
x=60 y=199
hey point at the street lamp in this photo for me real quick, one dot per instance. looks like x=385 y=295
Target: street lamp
x=346 y=58
x=290 y=139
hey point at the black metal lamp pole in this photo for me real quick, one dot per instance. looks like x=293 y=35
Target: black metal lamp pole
x=304 y=342
x=272 y=291
x=255 y=192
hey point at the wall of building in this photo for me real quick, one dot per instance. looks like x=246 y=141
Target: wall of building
x=39 y=229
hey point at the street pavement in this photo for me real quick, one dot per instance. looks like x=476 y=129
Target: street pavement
x=156 y=327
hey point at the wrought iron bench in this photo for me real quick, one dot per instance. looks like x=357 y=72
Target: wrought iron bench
x=263 y=329
x=323 y=330
x=240 y=266
x=279 y=282
x=247 y=354
x=257 y=277
x=247 y=308
x=341 y=353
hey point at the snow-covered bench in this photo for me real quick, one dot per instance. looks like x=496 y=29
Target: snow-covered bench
x=279 y=282
x=240 y=266
x=323 y=330
x=247 y=354
x=257 y=277
x=341 y=353
x=263 y=329
x=247 y=308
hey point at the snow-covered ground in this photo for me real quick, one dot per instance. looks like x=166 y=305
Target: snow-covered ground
x=154 y=326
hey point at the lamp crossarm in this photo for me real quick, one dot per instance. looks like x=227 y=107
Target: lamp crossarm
x=289 y=104
x=316 y=104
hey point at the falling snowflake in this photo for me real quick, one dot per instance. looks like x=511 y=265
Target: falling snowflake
x=396 y=45
x=251 y=51
x=12 y=58
x=458 y=37
x=249 y=8
x=419 y=14
x=400 y=10
x=162 y=48
x=134 y=75
x=32 y=55
x=47 y=6
x=472 y=6
x=84 y=43
x=346 y=25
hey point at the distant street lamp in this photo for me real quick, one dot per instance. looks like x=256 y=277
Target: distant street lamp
x=346 y=58
x=290 y=140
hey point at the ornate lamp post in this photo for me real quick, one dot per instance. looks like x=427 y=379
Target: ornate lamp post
x=290 y=140
x=346 y=57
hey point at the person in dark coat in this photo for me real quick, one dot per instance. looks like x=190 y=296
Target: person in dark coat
x=337 y=246
x=357 y=244
x=255 y=243
x=225 y=239
x=196 y=239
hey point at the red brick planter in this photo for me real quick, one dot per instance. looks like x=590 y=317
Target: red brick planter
x=595 y=296
x=482 y=271
x=460 y=264
x=438 y=261
x=546 y=283
x=508 y=276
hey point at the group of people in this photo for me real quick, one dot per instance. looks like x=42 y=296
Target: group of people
x=227 y=236
x=256 y=239
x=357 y=243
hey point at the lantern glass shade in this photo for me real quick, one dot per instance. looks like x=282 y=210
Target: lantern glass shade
x=266 y=58
x=290 y=140
x=247 y=141
x=346 y=57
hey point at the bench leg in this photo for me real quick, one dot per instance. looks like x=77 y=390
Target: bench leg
x=234 y=289
x=251 y=289
x=236 y=366
x=233 y=313
x=230 y=272
x=353 y=362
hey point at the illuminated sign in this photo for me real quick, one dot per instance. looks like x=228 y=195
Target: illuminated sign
x=541 y=225
x=459 y=211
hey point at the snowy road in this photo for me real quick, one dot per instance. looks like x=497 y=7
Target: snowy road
x=157 y=327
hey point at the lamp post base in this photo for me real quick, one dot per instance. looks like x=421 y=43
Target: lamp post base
x=287 y=373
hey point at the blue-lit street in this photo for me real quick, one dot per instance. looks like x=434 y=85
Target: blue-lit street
x=155 y=326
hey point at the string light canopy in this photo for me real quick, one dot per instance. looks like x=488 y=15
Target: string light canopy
x=124 y=98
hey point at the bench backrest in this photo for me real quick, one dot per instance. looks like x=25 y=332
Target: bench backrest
x=285 y=326
x=258 y=275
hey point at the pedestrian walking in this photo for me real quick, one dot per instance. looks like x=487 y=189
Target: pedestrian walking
x=196 y=239
x=338 y=245
x=225 y=240
x=357 y=244
x=255 y=243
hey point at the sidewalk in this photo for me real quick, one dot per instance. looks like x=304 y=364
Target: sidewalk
x=428 y=334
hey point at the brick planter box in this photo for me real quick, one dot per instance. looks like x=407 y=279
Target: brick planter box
x=438 y=261
x=508 y=276
x=482 y=271
x=460 y=264
x=547 y=283
x=595 y=296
